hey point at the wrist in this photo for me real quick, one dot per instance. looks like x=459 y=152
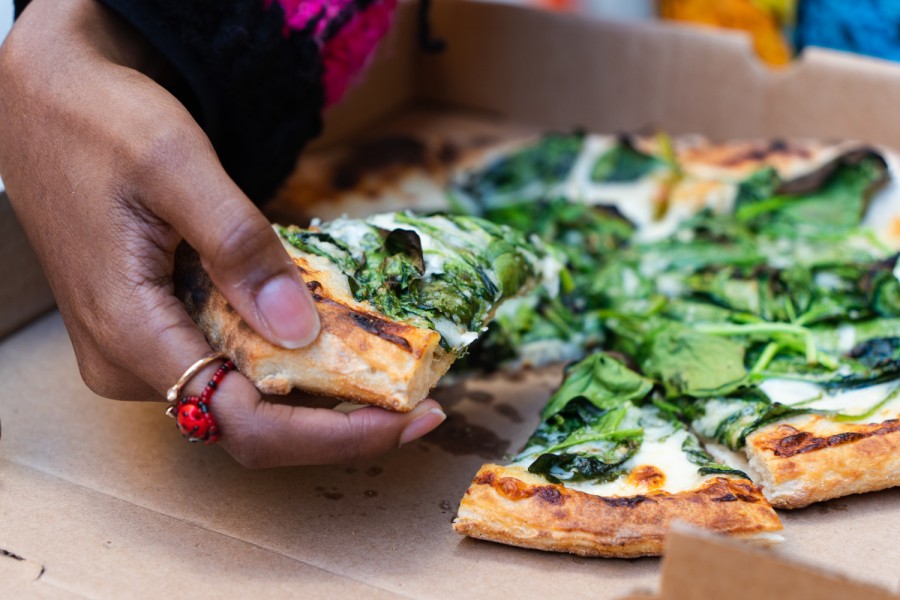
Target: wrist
x=90 y=25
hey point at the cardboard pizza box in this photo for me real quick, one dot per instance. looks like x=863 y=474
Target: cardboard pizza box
x=103 y=499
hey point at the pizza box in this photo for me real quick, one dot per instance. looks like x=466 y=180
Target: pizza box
x=103 y=499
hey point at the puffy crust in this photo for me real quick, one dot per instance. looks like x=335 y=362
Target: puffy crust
x=817 y=460
x=392 y=172
x=359 y=355
x=511 y=506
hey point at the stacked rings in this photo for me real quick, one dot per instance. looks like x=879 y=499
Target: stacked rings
x=192 y=414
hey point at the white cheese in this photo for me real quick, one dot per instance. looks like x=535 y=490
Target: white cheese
x=455 y=334
x=671 y=285
x=351 y=232
x=549 y=269
x=630 y=282
x=661 y=449
x=829 y=281
x=579 y=179
x=715 y=411
x=787 y=391
x=846 y=338
x=851 y=402
x=545 y=352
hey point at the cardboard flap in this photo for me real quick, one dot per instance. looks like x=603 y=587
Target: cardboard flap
x=701 y=565
x=562 y=71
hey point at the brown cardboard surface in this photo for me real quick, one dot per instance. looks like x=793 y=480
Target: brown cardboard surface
x=108 y=500
x=698 y=566
x=106 y=494
x=106 y=471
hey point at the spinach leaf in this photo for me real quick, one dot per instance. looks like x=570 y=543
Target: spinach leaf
x=408 y=244
x=321 y=244
x=555 y=429
x=836 y=207
x=724 y=419
x=753 y=191
x=692 y=363
x=559 y=468
x=605 y=427
x=706 y=463
x=623 y=163
x=527 y=174
x=600 y=379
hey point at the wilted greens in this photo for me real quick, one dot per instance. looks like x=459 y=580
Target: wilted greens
x=443 y=272
x=787 y=286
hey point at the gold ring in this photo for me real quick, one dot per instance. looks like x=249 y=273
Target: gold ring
x=175 y=391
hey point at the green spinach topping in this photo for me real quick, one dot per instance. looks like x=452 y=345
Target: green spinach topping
x=442 y=272
x=789 y=286
x=622 y=164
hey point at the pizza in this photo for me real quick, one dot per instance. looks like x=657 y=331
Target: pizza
x=731 y=313
x=764 y=321
x=399 y=296
x=607 y=472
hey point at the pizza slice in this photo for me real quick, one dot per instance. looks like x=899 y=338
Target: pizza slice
x=607 y=472
x=400 y=297
x=806 y=442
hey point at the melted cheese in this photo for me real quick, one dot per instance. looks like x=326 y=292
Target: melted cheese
x=851 y=402
x=660 y=453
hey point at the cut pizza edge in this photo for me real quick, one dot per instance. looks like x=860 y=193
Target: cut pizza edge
x=801 y=462
x=509 y=505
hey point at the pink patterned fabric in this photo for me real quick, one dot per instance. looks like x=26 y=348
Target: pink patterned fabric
x=345 y=53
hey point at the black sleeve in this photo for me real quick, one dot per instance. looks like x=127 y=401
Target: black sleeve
x=254 y=87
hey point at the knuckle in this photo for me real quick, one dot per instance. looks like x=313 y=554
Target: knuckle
x=164 y=147
x=248 y=454
x=98 y=377
x=239 y=244
x=350 y=451
x=361 y=442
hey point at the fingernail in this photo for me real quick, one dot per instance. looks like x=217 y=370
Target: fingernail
x=288 y=311
x=428 y=419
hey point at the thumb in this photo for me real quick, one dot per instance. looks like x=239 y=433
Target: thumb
x=239 y=249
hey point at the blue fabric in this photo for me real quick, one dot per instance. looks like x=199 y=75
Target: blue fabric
x=869 y=27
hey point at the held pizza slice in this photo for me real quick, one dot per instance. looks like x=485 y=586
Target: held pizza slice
x=400 y=297
x=606 y=473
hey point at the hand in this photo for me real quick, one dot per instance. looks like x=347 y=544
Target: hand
x=108 y=172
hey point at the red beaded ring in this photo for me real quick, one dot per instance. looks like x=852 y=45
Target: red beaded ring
x=193 y=416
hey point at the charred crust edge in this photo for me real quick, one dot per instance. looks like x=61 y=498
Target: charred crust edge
x=804 y=441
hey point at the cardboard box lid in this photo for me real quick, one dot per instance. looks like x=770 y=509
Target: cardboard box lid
x=103 y=499
x=562 y=69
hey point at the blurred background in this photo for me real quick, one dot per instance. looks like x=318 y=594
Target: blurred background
x=779 y=28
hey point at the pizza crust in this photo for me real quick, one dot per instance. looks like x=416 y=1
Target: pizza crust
x=511 y=506
x=814 y=460
x=360 y=355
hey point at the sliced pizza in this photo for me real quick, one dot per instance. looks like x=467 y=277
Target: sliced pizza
x=806 y=442
x=607 y=472
x=400 y=297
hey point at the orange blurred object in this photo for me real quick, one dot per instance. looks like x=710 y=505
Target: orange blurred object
x=558 y=4
x=746 y=15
